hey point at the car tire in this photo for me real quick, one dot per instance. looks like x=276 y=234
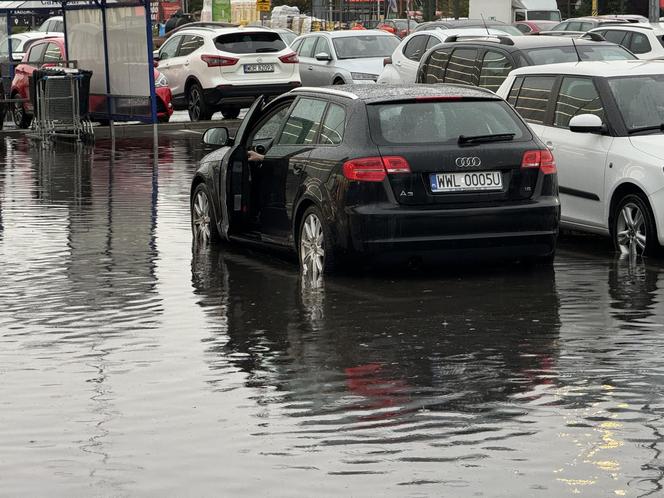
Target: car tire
x=164 y=119
x=230 y=112
x=203 y=220
x=633 y=227
x=198 y=109
x=314 y=244
x=20 y=117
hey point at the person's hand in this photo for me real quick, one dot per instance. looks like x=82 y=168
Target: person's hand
x=254 y=156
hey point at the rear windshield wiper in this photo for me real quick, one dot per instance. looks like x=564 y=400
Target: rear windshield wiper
x=659 y=127
x=478 y=139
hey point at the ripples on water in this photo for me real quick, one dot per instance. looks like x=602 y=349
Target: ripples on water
x=132 y=364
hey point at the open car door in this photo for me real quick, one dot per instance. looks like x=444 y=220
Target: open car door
x=235 y=176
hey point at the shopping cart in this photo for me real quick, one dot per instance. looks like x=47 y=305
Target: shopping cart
x=60 y=104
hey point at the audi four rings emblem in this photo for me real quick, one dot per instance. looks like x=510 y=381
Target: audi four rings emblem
x=467 y=162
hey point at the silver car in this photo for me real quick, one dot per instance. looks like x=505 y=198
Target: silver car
x=340 y=57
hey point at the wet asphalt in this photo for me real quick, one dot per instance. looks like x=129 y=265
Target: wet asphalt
x=135 y=364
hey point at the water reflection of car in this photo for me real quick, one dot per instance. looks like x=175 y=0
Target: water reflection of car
x=343 y=57
x=50 y=52
x=411 y=171
x=361 y=346
x=605 y=123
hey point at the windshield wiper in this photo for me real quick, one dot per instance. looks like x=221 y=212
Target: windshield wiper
x=659 y=127
x=478 y=139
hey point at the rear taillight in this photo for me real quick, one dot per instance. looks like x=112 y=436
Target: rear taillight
x=387 y=61
x=219 y=60
x=540 y=158
x=289 y=58
x=374 y=169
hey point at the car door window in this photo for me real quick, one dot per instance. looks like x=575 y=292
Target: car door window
x=577 y=96
x=52 y=54
x=432 y=42
x=170 y=48
x=308 y=45
x=585 y=26
x=322 y=46
x=573 y=26
x=524 y=28
x=36 y=53
x=303 y=123
x=461 y=68
x=514 y=91
x=495 y=68
x=639 y=44
x=414 y=49
x=190 y=44
x=533 y=98
x=433 y=70
x=332 y=132
x=296 y=46
x=266 y=130
x=615 y=36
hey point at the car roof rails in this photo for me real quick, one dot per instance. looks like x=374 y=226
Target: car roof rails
x=640 y=25
x=503 y=40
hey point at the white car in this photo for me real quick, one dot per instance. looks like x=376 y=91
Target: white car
x=54 y=24
x=20 y=43
x=604 y=122
x=226 y=69
x=646 y=41
x=401 y=67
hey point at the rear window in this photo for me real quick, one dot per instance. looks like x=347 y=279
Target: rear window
x=250 y=43
x=364 y=47
x=410 y=123
x=555 y=55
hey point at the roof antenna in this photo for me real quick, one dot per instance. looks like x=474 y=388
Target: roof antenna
x=485 y=26
x=578 y=55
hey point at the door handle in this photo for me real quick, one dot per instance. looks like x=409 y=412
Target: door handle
x=310 y=68
x=186 y=63
x=398 y=63
x=550 y=145
x=298 y=168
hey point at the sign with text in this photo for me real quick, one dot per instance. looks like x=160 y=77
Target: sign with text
x=263 y=5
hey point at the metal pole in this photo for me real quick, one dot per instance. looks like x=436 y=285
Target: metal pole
x=653 y=11
x=153 y=92
x=109 y=109
x=64 y=26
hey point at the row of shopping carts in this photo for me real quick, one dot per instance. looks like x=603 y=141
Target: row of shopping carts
x=60 y=100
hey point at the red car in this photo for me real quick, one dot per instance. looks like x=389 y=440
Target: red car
x=49 y=52
x=399 y=27
x=533 y=27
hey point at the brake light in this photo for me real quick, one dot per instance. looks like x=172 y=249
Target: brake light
x=387 y=61
x=219 y=60
x=540 y=158
x=289 y=58
x=374 y=169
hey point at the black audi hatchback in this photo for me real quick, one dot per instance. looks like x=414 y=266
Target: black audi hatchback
x=410 y=171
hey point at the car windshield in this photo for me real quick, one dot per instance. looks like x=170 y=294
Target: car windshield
x=408 y=123
x=555 y=55
x=364 y=47
x=543 y=15
x=250 y=43
x=640 y=100
x=510 y=30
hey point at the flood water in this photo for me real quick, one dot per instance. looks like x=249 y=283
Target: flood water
x=134 y=365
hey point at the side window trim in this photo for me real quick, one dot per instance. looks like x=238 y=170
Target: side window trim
x=288 y=115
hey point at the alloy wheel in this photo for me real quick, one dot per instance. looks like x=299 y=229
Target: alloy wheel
x=201 y=217
x=18 y=113
x=312 y=246
x=631 y=230
x=194 y=104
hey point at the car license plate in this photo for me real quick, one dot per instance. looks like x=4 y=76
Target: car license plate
x=259 y=68
x=463 y=182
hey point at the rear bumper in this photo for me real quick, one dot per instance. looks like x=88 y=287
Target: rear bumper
x=245 y=94
x=515 y=230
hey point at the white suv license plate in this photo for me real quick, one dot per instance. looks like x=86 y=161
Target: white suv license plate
x=464 y=182
x=259 y=68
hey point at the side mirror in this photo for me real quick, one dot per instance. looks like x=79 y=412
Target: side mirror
x=17 y=56
x=586 y=123
x=155 y=56
x=217 y=137
x=323 y=56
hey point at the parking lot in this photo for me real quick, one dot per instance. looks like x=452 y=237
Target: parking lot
x=132 y=363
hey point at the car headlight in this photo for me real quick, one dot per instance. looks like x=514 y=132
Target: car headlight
x=161 y=81
x=364 y=76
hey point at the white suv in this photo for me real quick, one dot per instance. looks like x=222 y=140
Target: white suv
x=225 y=69
x=646 y=41
x=604 y=123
